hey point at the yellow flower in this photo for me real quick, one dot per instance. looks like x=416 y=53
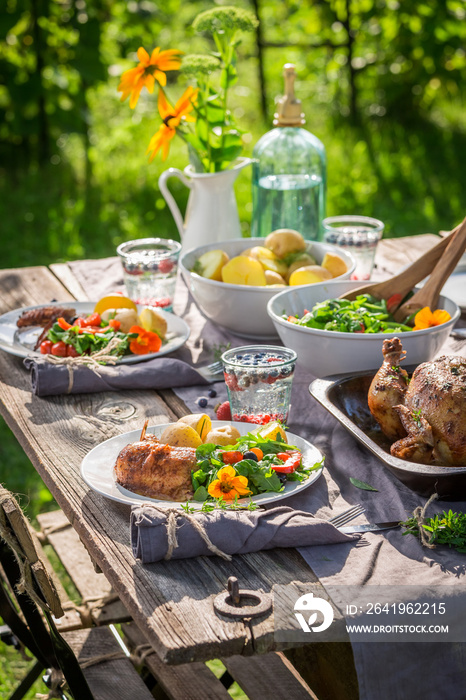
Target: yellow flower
x=172 y=117
x=426 y=319
x=228 y=485
x=150 y=69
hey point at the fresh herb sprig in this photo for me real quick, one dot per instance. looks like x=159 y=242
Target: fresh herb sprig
x=447 y=528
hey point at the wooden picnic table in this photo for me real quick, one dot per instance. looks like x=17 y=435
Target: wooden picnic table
x=171 y=601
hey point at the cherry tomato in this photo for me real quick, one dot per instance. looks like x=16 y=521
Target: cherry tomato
x=46 y=347
x=291 y=460
x=93 y=320
x=115 y=324
x=71 y=351
x=59 y=349
x=232 y=457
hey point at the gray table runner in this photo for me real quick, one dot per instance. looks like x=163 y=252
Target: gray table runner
x=385 y=671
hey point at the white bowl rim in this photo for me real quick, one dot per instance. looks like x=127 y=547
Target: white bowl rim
x=357 y=336
x=266 y=289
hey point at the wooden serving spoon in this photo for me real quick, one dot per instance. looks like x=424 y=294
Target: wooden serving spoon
x=428 y=295
x=404 y=281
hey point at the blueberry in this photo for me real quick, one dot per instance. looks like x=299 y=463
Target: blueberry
x=212 y=394
x=281 y=476
x=202 y=402
x=274 y=373
x=250 y=455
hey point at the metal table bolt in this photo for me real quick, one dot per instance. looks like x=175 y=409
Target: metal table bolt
x=241 y=603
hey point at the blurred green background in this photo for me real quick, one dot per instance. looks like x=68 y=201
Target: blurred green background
x=381 y=84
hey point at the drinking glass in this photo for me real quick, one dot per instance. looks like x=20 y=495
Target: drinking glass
x=258 y=379
x=149 y=270
x=358 y=235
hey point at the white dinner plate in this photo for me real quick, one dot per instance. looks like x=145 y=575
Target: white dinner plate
x=21 y=341
x=97 y=468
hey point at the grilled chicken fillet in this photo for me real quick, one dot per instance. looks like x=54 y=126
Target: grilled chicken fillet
x=157 y=471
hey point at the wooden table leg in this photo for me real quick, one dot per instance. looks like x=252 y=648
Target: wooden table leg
x=328 y=668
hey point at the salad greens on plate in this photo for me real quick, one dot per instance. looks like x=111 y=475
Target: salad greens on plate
x=251 y=466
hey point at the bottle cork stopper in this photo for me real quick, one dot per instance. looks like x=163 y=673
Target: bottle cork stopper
x=289 y=107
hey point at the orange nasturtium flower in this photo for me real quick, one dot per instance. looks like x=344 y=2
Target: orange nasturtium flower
x=149 y=69
x=425 y=318
x=228 y=485
x=172 y=117
x=145 y=343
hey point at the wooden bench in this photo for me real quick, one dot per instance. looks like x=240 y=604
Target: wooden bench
x=260 y=677
x=90 y=660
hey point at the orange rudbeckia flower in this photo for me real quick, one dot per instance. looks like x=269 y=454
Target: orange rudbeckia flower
x=149 y=69
x=425 y=318
x=172 y=118
x=145 y=343
x=228 y=485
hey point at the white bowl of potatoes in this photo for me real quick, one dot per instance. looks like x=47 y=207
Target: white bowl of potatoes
x=232 y=281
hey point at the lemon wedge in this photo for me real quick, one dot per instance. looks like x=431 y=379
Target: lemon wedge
x=114 y=301
x=271 y=431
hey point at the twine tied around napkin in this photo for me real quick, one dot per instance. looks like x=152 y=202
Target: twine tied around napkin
x=59 y=376
x=169 y=533
x=94 y=362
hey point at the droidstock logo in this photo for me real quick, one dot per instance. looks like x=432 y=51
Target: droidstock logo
x=308 y=604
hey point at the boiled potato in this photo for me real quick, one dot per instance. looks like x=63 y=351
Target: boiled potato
x=274 y=278
x=334 y=264
x=244 y=270
x=200 y=422
x=127 y=318
x=210 y=264
x=284 y=241
x=225 y=435
x=309 y=275
x=303 y=260
x=153 y=321
x=180 y=435
x=267 y=259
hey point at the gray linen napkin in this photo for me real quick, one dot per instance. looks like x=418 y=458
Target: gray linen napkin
x=161 y=533
x=160 y=373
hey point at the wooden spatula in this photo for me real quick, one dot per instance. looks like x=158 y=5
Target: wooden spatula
x=404 y=281
x=430 y=292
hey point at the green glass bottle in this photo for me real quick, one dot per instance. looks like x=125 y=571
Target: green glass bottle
x=289 y=172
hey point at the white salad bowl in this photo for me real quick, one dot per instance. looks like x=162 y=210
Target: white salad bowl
x=326 y=353
x=240 y=308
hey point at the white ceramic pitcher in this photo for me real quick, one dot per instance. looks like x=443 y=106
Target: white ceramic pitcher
x=211 y=214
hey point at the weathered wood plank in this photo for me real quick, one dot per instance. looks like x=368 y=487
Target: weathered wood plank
x=79 y=566
x=185 y=682
x=171 y=601
x=268 y=676
x=109 y=679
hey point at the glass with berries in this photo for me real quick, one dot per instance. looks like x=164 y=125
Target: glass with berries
x=149 y=270
x=258 y=379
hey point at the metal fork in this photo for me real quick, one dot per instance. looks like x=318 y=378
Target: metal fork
x=347 y=515
x=212 y=372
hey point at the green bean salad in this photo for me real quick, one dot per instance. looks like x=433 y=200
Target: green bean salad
x=365 y=314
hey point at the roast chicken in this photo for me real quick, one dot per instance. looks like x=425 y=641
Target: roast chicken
x=424 y=417
x=155 y=470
